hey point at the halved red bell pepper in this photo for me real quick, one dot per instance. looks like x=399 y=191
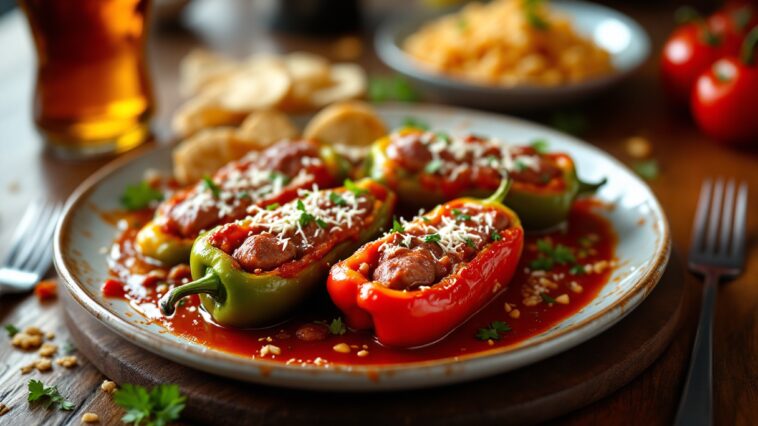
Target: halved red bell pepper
x=409 y=318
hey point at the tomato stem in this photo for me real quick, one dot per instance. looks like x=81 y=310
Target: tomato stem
x=748 y=47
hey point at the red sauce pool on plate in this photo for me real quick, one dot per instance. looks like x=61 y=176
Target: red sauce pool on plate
x=532 y=303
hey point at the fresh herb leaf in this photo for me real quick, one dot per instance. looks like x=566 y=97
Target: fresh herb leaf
x=11 y=329
x=574 y=123
x=495 y=236
x=337 y=199
x=585 y=242
x=355 y=189
x=48 y=396
x=432 y=238
x=321 y=223
x=541 y=263
x=459 y=215
x=305 y=217
x=397 y=226
x=444 y=137
x=415 y=123
x=273 y=206
x=274 y=175
x=563 y=255
x=140 y=196
x=391 y=88
x=492 y=332
x=211 y=186
x=244 y=195
x=540 y=145
x=577 y=270
x=546 y=297
x=520 y=165
x=337 y=327
x=470 y=243
x=160 y=406
x=648 y=169
x=545 y=246
x=433 y=166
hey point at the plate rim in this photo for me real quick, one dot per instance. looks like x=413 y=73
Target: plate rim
x=562 y=339
x=392 y=55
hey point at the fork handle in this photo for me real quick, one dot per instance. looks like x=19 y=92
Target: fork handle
x=696 y=405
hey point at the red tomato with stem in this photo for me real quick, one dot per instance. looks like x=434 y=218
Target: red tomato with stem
x=725 y=97
x=687 y=53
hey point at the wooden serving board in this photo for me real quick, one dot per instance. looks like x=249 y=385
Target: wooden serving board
x=534 y=393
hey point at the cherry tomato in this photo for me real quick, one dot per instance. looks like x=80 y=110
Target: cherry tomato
x=45 y=290
x=687 y=53
x=724 y=98
x=732 y=23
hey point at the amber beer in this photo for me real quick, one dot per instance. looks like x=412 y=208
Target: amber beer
x=93 y=93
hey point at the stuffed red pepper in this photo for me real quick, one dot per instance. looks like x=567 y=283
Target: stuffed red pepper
x=427 y=276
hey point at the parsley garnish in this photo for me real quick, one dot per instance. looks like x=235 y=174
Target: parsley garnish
x=321 y=223
x=391 y=88
x=520 y=165
x=48 y=396
x=433 y=166
x=470 y=243
x=273 y=206
x=444 y=137
x=337 y=199
x=355 y=189
x=140 y=196
x=459 y=215
x=577 y=270
x=305 y=217
x=560 y=254
x=244 y=195
x=274 y=175
x=546 y=297
x=541 y=264
x=540 y=145
x=415 y=123
x=211 y=186
x=11 y=329
x=397 y=226
x=162 y=405
x=495 y=236
x=492 y=332
x=647 y=169
x=432 y=238
x=337 y=327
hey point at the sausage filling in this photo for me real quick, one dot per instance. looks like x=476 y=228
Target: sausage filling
x=423 y=253
x=256 y=179
x=271 y=237
x=470 y=160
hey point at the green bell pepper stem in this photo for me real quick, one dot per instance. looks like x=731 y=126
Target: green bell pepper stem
x=590 y=188
x=210 y=284
x=502 y=190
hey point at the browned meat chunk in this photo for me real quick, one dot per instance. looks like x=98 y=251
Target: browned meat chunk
x=405 y=269
x=263 y=252
x=410 y=153
x=312 y=332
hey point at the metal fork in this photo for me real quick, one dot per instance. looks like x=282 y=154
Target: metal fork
x=717 y=251
x=31 y=248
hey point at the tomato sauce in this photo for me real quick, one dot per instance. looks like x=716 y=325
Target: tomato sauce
x=531 y=304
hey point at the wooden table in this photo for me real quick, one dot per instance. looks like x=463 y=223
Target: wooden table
x=636 y=108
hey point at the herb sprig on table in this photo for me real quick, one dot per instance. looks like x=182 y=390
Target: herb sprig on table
x=47 y=396
x=157 y=407
x=11 y=329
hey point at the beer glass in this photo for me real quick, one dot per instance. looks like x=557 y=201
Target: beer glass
x=93 y=93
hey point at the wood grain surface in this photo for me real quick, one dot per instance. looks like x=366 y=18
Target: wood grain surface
x=637 y=108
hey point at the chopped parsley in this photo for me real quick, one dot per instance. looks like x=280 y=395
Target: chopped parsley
x=496 y=236
x=337 y=327
x=492 y=332
x=160 y=406
x=444 y=137
x=546 y=297
x=337 y=199
x=470 y=243
x=551 y=255
x=355 y=189
x=415 y=123
x=432 y=238
x=211 y=186
x=305 y=217
x=577 y=270
x=540 y=145
x=274 y=175
x=11 y=329
x=433 y=166
x=321 y=223
x=541 y=263
x=391 y=88
x=273 y=206
x=140 y=196
x=48 y=396
x=397 y=226
x=648 y=169
x=459 y=215
x=520 y=165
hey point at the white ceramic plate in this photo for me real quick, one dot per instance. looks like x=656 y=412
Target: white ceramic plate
x=627 y=42
x=642 y=251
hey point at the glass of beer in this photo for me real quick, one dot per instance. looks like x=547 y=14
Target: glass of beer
x=93 y=93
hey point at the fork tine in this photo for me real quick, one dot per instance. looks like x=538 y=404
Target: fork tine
x=715 y=217
x=23 y=225
x=44 y=254
x=32 y=237
x=701 y=214
x=739 y=235
x=726 y=220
